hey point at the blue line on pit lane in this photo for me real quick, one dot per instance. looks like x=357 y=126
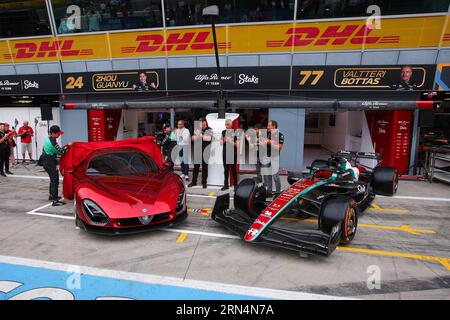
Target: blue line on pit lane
x=44 y=284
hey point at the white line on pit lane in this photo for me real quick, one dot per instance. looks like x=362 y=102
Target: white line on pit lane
x=417 y=198
x=201 y=233
x=58 y=216
x=171 y=281
x=37 y=209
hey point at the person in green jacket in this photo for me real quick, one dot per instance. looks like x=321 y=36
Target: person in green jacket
x=50 y=151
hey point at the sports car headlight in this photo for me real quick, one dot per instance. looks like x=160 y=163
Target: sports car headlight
x=181 y=200
x=94 y=213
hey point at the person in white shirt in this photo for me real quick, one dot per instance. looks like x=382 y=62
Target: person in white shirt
x=183 y=138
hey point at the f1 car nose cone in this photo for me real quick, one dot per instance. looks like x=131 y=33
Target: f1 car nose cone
x=145 y=220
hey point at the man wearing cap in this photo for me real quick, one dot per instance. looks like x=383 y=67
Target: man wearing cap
x=50 y=150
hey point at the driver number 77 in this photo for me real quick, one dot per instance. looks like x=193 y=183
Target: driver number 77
x=305 y=75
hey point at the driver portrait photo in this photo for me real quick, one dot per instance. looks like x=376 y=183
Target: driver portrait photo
x=405 y=82
x=144 y=84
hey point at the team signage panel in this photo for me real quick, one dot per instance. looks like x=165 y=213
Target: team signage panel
x=281 y=37
x=395 y=77
x=30 y=84
x=443 y=77
x=144 y=81
x=236 y=78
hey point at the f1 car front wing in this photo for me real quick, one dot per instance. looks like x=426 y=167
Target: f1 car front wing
x=313 y=242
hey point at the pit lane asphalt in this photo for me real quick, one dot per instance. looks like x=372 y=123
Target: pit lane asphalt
x=413 y=261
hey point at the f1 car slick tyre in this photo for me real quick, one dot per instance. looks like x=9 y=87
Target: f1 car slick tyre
x=248 y=194
x=385 y=181
x=341 y=209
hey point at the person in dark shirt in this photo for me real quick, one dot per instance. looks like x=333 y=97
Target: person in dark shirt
x=252 y=137
x=406 y=83
x=50 y=151
x=203 y=136
x=167 y=143
x=4 y=150
x=143 y=85
x=230 y=143
x=270 y=151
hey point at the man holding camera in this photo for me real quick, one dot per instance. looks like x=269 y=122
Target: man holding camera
x=202 y=138
x=4 y=150
x=26 y=133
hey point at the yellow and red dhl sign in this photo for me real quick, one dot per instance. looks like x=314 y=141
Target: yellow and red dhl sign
x=83 y=47
x=285 y=37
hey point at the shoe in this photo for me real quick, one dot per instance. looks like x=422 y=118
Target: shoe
x=191 y=184
x=58 y=203
x=51 y=198
x=224 y=188
x=2 y=174
x=204 y=186
x=9 y=172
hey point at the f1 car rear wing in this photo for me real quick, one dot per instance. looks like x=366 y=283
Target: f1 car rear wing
x=354 y=157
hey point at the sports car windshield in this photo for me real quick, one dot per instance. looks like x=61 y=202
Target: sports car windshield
x=121 y=164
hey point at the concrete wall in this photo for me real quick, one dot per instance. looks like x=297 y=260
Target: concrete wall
x=345 y=134
x=292 y=125
x=74 y=123
x=333 y=138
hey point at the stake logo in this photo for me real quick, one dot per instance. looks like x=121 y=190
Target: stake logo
x=177 y=41
x=28 y=50
x=356 y=34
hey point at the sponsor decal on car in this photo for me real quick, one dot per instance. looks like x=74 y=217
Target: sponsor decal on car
x=276 y=207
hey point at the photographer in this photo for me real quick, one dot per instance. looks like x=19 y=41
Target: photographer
x=26 y=133
x=4 y=150
x=12 y=143
x=8 y=151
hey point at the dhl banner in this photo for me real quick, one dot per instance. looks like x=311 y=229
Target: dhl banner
x=286 y=37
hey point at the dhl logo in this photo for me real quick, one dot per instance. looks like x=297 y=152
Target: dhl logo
x=178 y=41
x=27 y=50
x=334 y=35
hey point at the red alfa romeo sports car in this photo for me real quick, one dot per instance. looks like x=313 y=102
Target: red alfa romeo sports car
x=121 y=186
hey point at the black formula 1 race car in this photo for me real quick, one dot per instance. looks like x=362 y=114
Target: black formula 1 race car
x=335 y=191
